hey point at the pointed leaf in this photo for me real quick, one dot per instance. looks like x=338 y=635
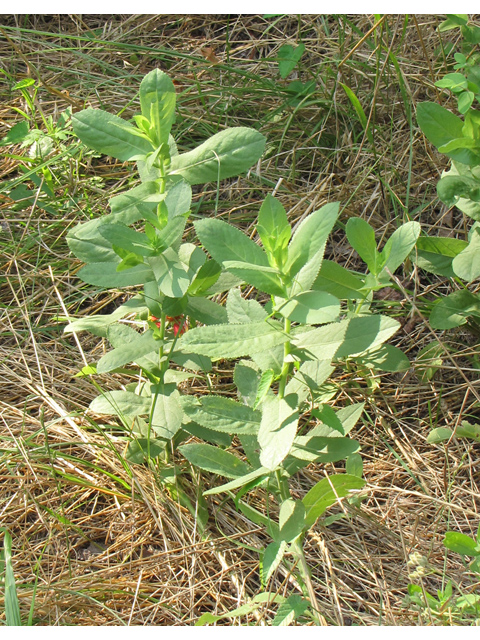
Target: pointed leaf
x=226 y=154
x=272 y=558
x=311 y=307
x=138 y=345
x=273 y=229
x=400 y=244
x=167 y=415
x=338 y=281
x=110 y=134
x=120 y=403
x=215 y=460
x=242 y=311
x=466 y=264
x=277 y=429
x=157 y=100
x=326 y=492
x=362 y=238
x=105 y=275
x=291 y=519
x=222 y=414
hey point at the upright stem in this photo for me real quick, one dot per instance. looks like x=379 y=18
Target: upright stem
x=286 y=365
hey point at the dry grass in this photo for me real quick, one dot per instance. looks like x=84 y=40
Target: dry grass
x=102 y=541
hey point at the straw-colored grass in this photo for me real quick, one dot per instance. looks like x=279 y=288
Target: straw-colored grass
x=99 y=541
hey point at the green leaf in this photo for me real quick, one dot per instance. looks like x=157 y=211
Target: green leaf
x=277 y=429
x=429 y=360
x=246 y=378
x=294 y=607
x=273 y=229
x=326 y=492
x=134 y=345
x=306 y=249
x=264 y=385
x=435 y=255
x=317 y=448
x=453 y=21
x=105 y=275
x=349 y=337
x=137 y=450
x=16 y=134
x=215 y=460
x=360 y=112
x=226 y=154
x=354 y=465
x=272 y=557
x=242 y=311
x=385 y=358
x=311 y=307
x=98 y=324
x=206 y=311
x=167 y=415
x=362 y=238
x=239 y=482
x=440 y=434
x=120 y=403
x=110 y=134
x=338 y=281
x=233 y=341
x=288 y=58
x=466 y=264
x=127 y=239
x=170 y=273
x=206 y=277
x=11 y=604
x=291 y=519
x=310 y=376
x=157 y=100
x=214 y=437
x=225 y=243
x=400 y=244
x=266 y=279
x=222 y=414
x=468 y=430
x=460 y=543
x=454 y=310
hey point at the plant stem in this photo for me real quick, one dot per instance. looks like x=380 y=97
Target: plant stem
x=286 y=365
x=297 y=549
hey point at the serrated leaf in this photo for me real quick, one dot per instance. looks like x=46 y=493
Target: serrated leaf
x=134 y=346
x=273 y=229
x=214 y=437
x=206 y=311
x=226 y=154
x=264 y=385
x=167 y=414
x=215 y=460
x=278 y=428
x=338 y=281
x=326 y=492
x=246 y=378
x=106 y=276
x=137 y=450
x=288 y=58
x=242 y=311
x=170 y=273
x=110 y=134
x=233 y=341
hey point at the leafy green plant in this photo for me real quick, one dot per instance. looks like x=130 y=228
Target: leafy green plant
x=308 y=316
x=460 y=186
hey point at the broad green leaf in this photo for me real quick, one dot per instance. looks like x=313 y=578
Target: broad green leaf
x=206 y=311
x=309 y=378
x=362 y=238
x=16 y=134
x=167 y=415
x=441 y=126
x=453 y=81
x=120 y=403
x=311 y=307
x=266 y=279
x=453 y=21
x=440 y=434
x=270 y=359
x=465 y=430
x=291 y=519
x=338 y=281
x=288 y=58
x=326 y=492
x=316 y=448
x=205 y=278
x=135 y=345
x=460 y=543
x=105 y=275
x=349 y=337
x=122 y=236
x=466 y=264
x=400 y=244
x=109 y=134
x=214 y=437
x=242 y=311
x=354 y=465
x=170 y=273
x=271 y=560
x=226 y=154
x=435 y=255
x=305 y=251
x=294 y=607
x=239 y=482
x=215 y=460
x=450 y=188
x=255 y=603
x=384 y=358
x=278 y=428
x=226 y=243
x=453 y=310
x=157 y=100
x=274 y=229
x=246 y=378
x=191 y=361
x=178 y=198
x=233 y=341
x=138 y=449
x=222 y=414
x=429 y=360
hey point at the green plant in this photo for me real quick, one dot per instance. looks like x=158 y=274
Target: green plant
x=308 y=316
x=460 y=186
